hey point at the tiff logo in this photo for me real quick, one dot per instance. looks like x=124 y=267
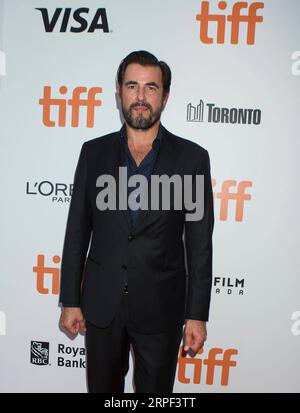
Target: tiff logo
x=296 y=325
x=47 y=102
x=2 y=63
x=235 y=19
x=223 y=361
x=98 y=22
x=2 y=323
x=41 y=272
x=296 y=65
x=238 y=196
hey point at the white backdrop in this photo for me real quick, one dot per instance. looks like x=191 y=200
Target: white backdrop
x=254 y=327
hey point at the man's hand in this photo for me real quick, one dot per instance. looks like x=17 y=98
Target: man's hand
x=194 y=335
x=72 y=320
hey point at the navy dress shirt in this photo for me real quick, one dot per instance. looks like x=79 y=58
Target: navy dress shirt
x=145 y=167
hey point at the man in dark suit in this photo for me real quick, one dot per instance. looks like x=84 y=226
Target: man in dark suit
x=124 y=270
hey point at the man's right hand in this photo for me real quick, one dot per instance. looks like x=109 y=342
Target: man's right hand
x=72 y=320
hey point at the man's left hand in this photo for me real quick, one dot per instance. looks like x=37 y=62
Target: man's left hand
x=194 y=335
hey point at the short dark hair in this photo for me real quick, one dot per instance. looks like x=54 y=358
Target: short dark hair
x=144 y=58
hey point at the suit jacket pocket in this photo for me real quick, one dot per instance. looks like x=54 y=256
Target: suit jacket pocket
x=92 y=274
x=91 y=259
x=92 y=269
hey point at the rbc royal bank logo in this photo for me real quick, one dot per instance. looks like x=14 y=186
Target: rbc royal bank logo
x=39 y=354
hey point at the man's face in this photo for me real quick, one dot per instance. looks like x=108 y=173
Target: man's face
x=141 y=96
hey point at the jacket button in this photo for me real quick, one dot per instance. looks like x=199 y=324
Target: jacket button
x=124 y=267
x=130 y=237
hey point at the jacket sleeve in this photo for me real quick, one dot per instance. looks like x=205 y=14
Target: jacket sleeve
x=77 y=236
x=198 y=242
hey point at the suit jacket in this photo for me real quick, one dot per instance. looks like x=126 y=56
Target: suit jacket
x=102 y=252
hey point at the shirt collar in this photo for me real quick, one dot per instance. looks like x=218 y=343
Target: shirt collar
x=156 y=143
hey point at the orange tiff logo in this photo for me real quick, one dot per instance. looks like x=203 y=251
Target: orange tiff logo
x=77 y=101
x=41 y=271
x=216 y=358
x=235 y=19
x=234 y=192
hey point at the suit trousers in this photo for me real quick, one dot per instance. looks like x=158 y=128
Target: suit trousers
x=108 y=349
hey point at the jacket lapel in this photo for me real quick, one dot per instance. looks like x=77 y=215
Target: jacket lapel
x=116 y=160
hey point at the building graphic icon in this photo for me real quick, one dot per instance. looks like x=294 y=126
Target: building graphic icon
x=195 y=113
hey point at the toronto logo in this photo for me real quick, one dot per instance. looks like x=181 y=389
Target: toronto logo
x=212 y=113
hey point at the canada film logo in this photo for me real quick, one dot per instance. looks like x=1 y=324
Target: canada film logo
x=74 y=21
x=217 y=357
x=212 y=113
x=76 y=103
x=39 y=354
x=57 y=192
x=229 y=285
x=226 y=21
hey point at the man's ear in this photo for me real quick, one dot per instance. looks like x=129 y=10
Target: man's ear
x=119 y=92
x=165 y=99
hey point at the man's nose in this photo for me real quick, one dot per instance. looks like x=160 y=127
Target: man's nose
x=141 y=93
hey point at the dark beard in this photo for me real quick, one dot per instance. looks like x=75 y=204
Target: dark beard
x=140 y=122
